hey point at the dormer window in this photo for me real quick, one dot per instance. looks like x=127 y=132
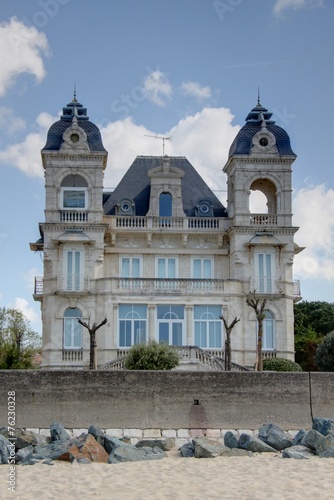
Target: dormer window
x=73 y=193
x=165 y=205
x=126 y=207
x=204 y=209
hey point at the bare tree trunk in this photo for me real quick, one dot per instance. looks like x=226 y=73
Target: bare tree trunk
x=227 y=353
x=258 y=305
x=93 y=346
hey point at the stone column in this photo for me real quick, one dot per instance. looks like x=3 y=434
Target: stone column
x=152 y=334
x=190 y=325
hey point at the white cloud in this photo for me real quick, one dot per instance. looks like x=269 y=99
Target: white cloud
x=282 y=5
x=157 y=88
x=194 y=89
x=26 y=155
x=314 y=213
x=9 y=122
x=21 y=51
x=29 y=312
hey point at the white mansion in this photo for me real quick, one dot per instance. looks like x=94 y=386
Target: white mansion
x=160 y=257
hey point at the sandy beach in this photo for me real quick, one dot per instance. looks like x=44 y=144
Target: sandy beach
x=249 y=478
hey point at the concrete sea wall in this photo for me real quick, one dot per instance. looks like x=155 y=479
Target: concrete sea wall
x=166 y=400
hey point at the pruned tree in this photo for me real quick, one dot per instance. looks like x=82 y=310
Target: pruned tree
x=228 y=330
x=93 y=345
x=258 y=305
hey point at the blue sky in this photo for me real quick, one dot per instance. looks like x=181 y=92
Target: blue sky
x=188 y=69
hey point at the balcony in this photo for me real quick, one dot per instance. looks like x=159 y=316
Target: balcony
x=168 y=223
x=267 y=285
x=156 y=286
x=263 y=220
x=73 y=216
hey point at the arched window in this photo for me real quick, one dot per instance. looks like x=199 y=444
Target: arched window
x=170 y=324
x=208 y=330
x=132 y=324
x=72 y=329
x=73 y=192
x=268 y=341
x=165 y=205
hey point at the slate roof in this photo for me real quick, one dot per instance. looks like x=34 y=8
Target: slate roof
x=242 y=144
x=55 y=133
x=135 y=185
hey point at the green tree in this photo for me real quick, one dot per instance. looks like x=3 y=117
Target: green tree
x=313 y=320
x=18 y=342
x=151 y=356
x=281 y=365
x=324 y=358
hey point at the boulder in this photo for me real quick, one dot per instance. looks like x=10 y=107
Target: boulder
x=319 y=443
x=87 y=447
x=274 y=436
x=299 y=437
x=205 y=448
x=133 y=454
x=323 y=425
x=231 y=440
x=97 y=433
x=298 y=452
x=4 y=449
x=58 y=432
x=251 y=443
x=163 y=444
x=111 y=444
x=187 y=450
x=23 y=453
x=237 y=452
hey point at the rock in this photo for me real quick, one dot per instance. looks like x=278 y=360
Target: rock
x=97 y=433
x=81 y=461
x=111 y=444
x=85 y=446
x=231 y=440
x=205 y=448
x=187 y=450
x=133 y=454
x=323 y=425
x=298 y=452
x=274 y=436
x=58 y=432
x=319 y=443
x=251 y=443
x=23 y=453
x=5 y=447
x=163 y=444
x=299 y=437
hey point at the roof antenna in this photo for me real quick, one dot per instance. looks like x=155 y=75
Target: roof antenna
x=258 y=96
x=163 y=141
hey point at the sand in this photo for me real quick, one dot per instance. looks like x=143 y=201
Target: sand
x=260 y=477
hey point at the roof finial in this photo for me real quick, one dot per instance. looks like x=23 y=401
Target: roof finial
x=258 y=96
x=75 y=93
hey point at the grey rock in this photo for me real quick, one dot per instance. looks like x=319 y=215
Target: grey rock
x=299 y=437
x=318 y=442
x=237 y=452
x=205 y=448
x=98 y=434
x=133 y=454
x=323 y=425
x=56 y=449
x=231 y=440
x=251 y=443
x=58 y=432
x=274 y=436
x=111 y=444
x=5 y=447
x=163 y=444
x=187 y=450
x=298 y=452
x=23 y=453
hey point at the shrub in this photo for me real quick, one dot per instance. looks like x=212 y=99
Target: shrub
x=281 y=365
x=324 y=358
x=151 y=356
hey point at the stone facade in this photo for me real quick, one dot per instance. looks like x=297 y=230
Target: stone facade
x=160 y=257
